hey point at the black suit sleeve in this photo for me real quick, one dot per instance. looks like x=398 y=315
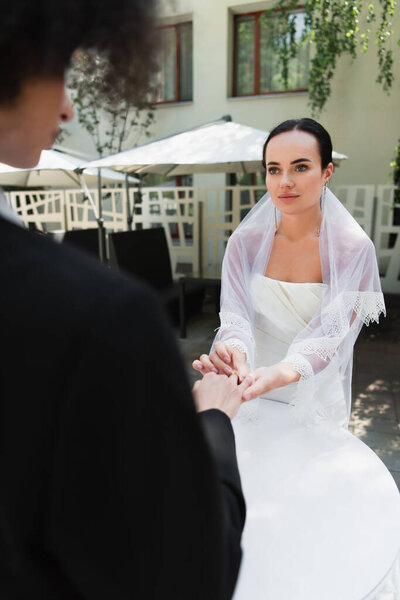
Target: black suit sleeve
x=221 y=440
x=138 y=507
x=219 y=434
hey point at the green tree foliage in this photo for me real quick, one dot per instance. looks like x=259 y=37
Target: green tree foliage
x=333 y=29
x=126 y=122
x=396 y=166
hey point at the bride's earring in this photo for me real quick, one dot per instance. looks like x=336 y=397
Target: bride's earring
x=323 y=198
x=276 y=220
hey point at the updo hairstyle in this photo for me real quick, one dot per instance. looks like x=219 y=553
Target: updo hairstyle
x=309 y=126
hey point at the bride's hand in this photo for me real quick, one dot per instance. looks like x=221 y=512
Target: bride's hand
x=222 y=360
x=268 y=378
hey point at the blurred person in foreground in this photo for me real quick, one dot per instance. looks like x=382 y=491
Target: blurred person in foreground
x=111 y=485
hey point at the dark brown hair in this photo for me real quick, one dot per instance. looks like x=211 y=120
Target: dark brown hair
x=39 y=37
x=310 y=126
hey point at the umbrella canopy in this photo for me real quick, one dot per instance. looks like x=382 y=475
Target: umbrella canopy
x=225 y=147
x=56 y=169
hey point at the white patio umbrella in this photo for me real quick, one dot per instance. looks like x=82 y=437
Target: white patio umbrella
x=57 y=169
x=223 y=147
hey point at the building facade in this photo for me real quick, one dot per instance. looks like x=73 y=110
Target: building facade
x=217 y=61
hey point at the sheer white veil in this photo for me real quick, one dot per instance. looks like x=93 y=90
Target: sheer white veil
x=352 y=297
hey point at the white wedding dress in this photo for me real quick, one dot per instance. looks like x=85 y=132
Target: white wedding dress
x=323 y=512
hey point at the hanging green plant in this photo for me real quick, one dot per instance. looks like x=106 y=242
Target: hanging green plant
x=332 y=27
x=385 y=53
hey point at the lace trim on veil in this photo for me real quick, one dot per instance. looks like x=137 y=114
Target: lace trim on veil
x=300 y=364
x=324 y=348
x=231 y=320
x=236 y=324
x=237 y=343
x=367 y=305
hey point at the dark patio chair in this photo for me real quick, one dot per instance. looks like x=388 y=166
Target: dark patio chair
x=145 y=254
x=85 y=239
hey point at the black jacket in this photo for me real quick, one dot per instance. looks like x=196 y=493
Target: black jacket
x=108 y=489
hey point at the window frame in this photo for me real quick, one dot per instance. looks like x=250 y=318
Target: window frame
x=256 y=87
x=177 y=99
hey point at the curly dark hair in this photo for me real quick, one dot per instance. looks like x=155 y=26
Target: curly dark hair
x=39 y=37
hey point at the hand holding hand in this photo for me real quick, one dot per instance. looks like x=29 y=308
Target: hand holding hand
x=269 y=378
x=221 y=392
x=223 y=360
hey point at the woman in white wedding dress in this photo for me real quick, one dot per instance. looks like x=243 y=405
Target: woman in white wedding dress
x=299 y=280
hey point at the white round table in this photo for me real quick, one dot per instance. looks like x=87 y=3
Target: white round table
x=323 y=512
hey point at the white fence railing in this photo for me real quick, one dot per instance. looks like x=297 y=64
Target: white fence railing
x=177 y=210
x=80 y=213
x=387 y=238
x=45 y=209
x=222 y=210
x=359 y=201
x=199 y=223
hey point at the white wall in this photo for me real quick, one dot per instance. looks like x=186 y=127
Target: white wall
x=363 y=121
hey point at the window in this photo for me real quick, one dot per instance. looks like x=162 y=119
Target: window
x=173 y=82
x=256 y=70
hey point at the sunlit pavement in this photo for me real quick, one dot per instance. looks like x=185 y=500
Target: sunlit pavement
x=376 y=378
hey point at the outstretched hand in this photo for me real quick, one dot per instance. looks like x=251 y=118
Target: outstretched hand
x=266 y=379
x=220 y=392
x=223 y=360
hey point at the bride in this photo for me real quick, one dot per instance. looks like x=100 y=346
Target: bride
x=299 y=279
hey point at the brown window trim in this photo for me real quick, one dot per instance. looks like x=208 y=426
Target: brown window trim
x=177 y=99
x=274 y=93
x=256 y=90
